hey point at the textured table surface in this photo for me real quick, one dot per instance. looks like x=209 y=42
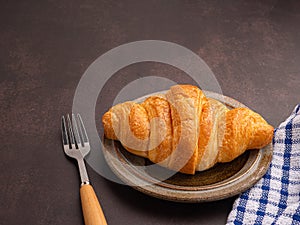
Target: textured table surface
x=253 y=48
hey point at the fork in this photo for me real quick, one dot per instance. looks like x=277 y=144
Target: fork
x=76 y=145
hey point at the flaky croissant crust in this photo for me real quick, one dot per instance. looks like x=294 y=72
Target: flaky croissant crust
x=184 y=130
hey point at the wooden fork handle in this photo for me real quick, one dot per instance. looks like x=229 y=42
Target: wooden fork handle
x=92 y=212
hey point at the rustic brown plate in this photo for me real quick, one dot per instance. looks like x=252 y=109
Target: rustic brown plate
x=222 y=181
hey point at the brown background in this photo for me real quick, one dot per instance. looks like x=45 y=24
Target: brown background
x=253 y=48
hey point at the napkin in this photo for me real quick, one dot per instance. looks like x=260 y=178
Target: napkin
x=275 y=199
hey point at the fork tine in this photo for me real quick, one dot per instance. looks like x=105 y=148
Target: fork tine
x=64 y=131
x=82 y=130
x=75 y=130
x=71 y=134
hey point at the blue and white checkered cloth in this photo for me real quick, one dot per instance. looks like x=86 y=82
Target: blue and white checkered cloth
x=275 y=199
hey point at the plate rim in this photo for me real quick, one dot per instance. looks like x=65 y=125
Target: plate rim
x=243 y=182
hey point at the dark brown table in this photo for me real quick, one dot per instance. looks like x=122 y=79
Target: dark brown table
x=253 y=48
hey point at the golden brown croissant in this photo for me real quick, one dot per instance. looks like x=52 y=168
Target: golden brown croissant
x=185 y=131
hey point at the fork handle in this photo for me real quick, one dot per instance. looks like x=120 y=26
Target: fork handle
x=92 y=212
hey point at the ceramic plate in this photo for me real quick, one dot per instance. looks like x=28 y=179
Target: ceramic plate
x=221 y=181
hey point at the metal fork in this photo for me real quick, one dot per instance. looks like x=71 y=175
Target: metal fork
x=76 y=145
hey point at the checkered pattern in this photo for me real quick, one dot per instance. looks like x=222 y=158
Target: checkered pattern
x=275 y=199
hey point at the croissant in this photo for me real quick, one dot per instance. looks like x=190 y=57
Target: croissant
x=185 y=131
